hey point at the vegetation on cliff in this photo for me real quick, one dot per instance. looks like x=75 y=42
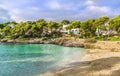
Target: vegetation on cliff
x=101 y=28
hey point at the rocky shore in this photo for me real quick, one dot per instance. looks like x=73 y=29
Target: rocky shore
x=71 y=42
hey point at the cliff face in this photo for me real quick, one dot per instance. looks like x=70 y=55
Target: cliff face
x=71 y=42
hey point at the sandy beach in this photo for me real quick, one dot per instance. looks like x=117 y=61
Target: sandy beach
x=102 y=59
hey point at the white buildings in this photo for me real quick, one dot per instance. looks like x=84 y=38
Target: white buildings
x=11 y=25
x=64 y=28
x=74 y=30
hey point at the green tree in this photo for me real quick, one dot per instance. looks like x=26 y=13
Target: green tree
x=88 y=28
x=100 y=23
x=53 y=26
x=41 y=27
x=115 y=23
x=64 y=22
x=6 y=31
x=53 y=29
x=1 y=26
x=27 y=28
x=18 y=30
x=73 y=24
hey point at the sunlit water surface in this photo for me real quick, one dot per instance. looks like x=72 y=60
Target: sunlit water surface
x=35 y=59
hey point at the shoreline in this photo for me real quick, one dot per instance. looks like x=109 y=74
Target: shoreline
x=102 y=59
x=58 y=41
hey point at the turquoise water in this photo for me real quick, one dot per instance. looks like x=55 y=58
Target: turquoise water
x=34 y=59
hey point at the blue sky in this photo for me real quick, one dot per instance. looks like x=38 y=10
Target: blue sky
x=23 y=10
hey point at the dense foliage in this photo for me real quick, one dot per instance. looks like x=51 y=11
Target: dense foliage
x=101 y=27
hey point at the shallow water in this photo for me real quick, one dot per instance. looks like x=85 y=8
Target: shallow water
x=34 y=59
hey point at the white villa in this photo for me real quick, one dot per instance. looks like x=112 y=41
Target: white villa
x=11 y=25
x=108 y=31
x=74 y=30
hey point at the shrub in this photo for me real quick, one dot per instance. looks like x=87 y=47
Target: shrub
x=1 y=37
x=98 y=37
x=20 y=38
x=90 y=40
x=114 y=38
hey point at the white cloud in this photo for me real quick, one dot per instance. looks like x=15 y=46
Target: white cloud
x=98 y=9
x=93 y=10
x=4 y=15
x=55 y=9
x=34 y=8
x=90 y=2
x=54 y=5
